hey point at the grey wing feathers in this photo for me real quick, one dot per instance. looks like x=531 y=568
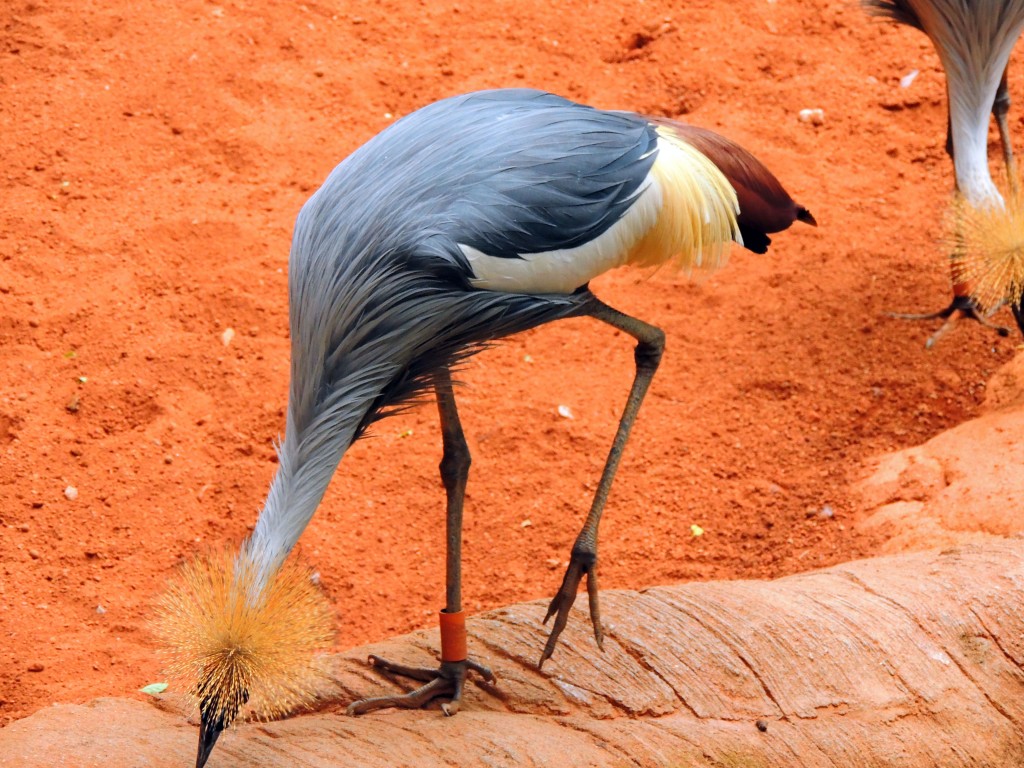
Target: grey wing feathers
x=579 y=175
x=506 y=172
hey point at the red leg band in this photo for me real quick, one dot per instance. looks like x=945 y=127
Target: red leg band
x=453 y=636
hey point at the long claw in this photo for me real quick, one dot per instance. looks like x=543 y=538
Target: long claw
x=563 y=600
x=480 y=669
x=446 y=680
x=423 y=674
x=412 y=700
x=451 y=708
x=595 y=608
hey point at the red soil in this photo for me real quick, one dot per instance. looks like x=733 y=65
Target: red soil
x=154 y=163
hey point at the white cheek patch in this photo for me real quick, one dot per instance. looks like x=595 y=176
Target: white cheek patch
x=563 y=271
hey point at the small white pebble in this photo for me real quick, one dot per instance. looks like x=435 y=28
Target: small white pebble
x=525 y=524
x=564 y=412
x=227 y=336
x=71 y=493
x=100 y=610
x=908 y=79
x=812 y=116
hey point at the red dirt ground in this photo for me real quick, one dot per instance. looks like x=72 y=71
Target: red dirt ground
x=153 y=165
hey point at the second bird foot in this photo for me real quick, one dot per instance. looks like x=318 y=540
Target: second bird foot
x=960 y=308
x=447 y=680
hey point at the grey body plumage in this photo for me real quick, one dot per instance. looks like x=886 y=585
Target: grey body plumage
x=379 y=290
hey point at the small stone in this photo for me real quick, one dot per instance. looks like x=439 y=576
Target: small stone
x=34 y=554
x=100 y=610
x=812 y=116
x=36 y=667
x=24 y=528
x=908 y=79
x=71 y=493
x=227 y=336
x=762 y=726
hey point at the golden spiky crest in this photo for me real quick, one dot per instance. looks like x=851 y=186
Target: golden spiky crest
x=987 y=247
x=228 y=640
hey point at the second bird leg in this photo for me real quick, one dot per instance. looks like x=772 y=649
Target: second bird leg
x=1000 y=111
x=583 y=560
x=449 y=678
x=962 y=306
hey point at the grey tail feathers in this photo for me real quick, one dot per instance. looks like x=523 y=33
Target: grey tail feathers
x=899 y=11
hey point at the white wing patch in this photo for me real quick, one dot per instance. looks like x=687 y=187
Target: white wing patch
x=685 y=212
x=566 y=269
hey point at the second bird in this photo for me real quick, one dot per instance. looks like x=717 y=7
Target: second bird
x=974 y=40
x=474 y=218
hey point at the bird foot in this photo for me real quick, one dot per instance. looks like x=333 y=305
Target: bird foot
x=446 y=680
x=960 y=308
x=580 y=563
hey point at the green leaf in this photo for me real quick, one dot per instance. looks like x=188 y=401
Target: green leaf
x=154 y=689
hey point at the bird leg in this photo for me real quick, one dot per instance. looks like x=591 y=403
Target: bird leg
x=1000 y=110
x=447 y=679
x=962 y=306
x=583 y=559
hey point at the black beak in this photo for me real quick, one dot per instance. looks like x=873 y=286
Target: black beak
x=209 y=729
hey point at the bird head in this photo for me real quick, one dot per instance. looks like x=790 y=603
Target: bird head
x=232 y=633
x=987 y=246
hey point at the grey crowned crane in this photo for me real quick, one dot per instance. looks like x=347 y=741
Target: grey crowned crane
x=471 y=219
